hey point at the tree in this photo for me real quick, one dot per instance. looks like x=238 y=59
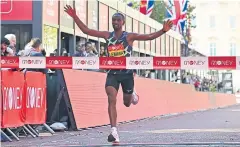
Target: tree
x=188 y=25
x=158 y=12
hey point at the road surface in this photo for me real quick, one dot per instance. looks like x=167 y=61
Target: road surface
x=218 y=127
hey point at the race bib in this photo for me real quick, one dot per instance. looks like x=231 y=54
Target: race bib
x=116 y=50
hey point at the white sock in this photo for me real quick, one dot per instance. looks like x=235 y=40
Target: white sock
x=114 y=129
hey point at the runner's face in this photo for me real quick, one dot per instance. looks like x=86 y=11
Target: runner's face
x=117 y=22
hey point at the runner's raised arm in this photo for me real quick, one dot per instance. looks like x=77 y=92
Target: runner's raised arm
x=143 y=37
x=72 y=12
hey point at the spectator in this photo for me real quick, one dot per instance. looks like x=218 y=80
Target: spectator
x=64 y=52
x=4 y=46
x=12 y=46
x=89 y=45
x=43 y=51
x=80 y=50
x=90 y=51
x=197 y=84
x=35 y=47
x=35 y=50
x=102 y=52
x=28 y=47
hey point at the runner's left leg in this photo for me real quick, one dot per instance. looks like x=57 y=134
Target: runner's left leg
x=129 y=95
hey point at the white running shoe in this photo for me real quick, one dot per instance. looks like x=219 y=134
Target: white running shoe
x=113 y=137
x=135 y=98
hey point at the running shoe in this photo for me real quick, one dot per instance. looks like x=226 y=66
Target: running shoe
x=135 y=98
x=113 y=137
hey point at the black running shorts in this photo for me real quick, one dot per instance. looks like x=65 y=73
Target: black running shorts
x=126 y=81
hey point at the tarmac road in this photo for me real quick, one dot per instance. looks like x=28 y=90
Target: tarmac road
x=218 y=127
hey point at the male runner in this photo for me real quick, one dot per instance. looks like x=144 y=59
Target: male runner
x=119 y=43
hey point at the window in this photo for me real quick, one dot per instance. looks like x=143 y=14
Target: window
x=212 y=21
x=232 y=22
x=232 y=49
x=212 y=49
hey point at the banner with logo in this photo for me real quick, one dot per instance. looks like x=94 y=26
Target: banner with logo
x=59 y=62
x=224 y=63
x=13 y=9
x=112 y=62
x=50 y=11
x=166 y=62
x=85 y=63
x=9 y=62
x=32 y=62
x=238 y=63
x=12 y=86
x=194 y=63
x=35 y=93
x=121 y=62
x=139 y=63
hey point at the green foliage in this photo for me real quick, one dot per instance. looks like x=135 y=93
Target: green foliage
x=136 y=4
x=213 y=88
x=158 y=12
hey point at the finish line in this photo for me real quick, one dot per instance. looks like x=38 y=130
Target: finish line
x=161 y=144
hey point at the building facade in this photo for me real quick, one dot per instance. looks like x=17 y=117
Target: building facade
x=217 y=30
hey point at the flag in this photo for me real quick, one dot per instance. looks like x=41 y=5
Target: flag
x=177 y=12
x=146 y=7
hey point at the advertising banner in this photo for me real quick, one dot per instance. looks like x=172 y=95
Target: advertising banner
x=12 y=101
x=50 y=11
x=35 y=93
x=14 y=9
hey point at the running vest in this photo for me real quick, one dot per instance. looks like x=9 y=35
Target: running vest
x=118 y=48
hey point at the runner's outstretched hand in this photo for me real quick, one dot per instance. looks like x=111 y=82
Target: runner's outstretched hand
x=70 y=11
x=91 y=32
x=167 y=25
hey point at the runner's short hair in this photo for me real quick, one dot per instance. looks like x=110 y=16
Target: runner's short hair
x=116 y=14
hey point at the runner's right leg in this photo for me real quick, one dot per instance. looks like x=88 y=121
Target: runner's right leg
x=111 y=87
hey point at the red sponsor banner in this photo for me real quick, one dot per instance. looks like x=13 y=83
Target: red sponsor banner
x=9 y=62
x=35 y=93
x=59 y=62
x=112 y=63
x=13 y=10
x=12 y=95
x=50 y=11
x=222 y=63
x=166 y=62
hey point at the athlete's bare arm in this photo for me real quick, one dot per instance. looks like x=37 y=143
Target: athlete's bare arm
x=72 y=12
x=143 y=37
